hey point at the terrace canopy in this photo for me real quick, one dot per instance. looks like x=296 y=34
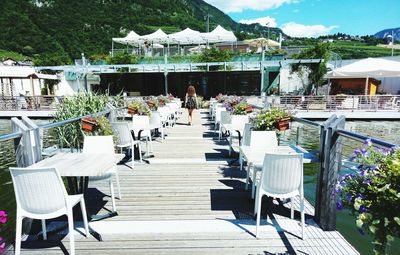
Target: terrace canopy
x=366 y=68
x=131 y=38
x=184 y=37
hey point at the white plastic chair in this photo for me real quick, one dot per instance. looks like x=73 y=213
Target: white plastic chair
x=40 y=194
x=156 y=123
x=259 y=141
x=281 y=177
x=237 y=122
x=125 y=139
x=165 y=115
x=103 y=144
x=245 y=141
x=225 y=118
x=141 y=129
x=217 y=121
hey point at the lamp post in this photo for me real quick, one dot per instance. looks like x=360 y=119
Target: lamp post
x=392 y=43
x=267 y=24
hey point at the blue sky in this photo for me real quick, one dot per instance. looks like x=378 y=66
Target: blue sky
x=310 y=18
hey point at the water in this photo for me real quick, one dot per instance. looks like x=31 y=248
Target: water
x=308 y=138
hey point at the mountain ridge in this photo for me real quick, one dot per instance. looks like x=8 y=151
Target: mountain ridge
x=387 y=33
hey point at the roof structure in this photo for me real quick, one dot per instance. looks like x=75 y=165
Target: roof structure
x=131 y=38
x=23 y=72
x=369 y=67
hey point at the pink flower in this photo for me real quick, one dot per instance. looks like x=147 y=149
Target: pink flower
x=3 y=217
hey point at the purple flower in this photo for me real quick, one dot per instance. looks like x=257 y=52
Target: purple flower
x=359 y=195
x=362 y=209
x=352 y=158
x=363 y=151
x=339 y=205
x=363 y=172
x=357 y=151
x=3 y=217
x=360 y=231
x=367 y=142
x=349 y=197
x=367 y=181
x=385 y=151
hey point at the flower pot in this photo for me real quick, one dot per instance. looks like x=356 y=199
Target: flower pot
x=150 y=104
x=283 y=124
x=248 y=109
x=132 y=111
x=89 y=125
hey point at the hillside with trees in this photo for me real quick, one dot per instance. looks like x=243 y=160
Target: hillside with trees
x=63 y=29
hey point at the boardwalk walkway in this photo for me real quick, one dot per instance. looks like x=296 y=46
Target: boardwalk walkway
x=189 y=201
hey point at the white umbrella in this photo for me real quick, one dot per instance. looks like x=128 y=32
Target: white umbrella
x=366 y=68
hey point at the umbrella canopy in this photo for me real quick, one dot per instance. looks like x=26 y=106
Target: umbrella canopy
x=131 y=38
x=370 y=67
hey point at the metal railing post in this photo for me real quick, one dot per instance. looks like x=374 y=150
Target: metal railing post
x=325 y=208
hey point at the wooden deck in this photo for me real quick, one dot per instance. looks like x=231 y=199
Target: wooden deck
x=189 y=201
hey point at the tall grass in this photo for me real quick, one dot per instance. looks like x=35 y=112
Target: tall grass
x=71 y=135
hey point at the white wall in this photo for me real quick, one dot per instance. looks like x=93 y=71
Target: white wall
x=290 y=82
x=67 y=88
x=390 y=85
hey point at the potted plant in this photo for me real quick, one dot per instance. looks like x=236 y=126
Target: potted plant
x=372 y=193
x=152 y=103
x=138 y=108
x=88 y=124
x=272 y=119
x=242 y=108
x=162 y=100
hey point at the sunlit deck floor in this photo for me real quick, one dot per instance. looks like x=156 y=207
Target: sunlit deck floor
x=189 y=201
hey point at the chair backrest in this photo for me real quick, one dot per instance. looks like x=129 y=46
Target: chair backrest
x=218 y=112
x=98 y=144
x=263 y=139
x=238 y=121
x=121 y=129
x=282 y=174
x=141 y=122
x=225 y=117
x=247 y=134
x=39 y=191
x=155 y=119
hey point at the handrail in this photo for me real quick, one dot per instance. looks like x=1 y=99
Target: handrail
x=63 y=122
x=362 y=138
x=10 y=136
x=309 y=122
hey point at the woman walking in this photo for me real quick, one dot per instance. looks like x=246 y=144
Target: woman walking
x=191 y=102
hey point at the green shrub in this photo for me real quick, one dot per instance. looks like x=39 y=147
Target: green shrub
x=71 y=135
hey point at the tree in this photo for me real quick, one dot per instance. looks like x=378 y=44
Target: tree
x=316 y=71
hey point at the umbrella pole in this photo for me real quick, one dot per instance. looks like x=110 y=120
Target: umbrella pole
x=366 y=86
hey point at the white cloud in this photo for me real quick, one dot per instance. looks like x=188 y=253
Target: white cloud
x=299 y=30
x=263 y=21
x=240 y=5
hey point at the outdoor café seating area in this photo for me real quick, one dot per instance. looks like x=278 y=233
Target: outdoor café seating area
x=166 y=187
